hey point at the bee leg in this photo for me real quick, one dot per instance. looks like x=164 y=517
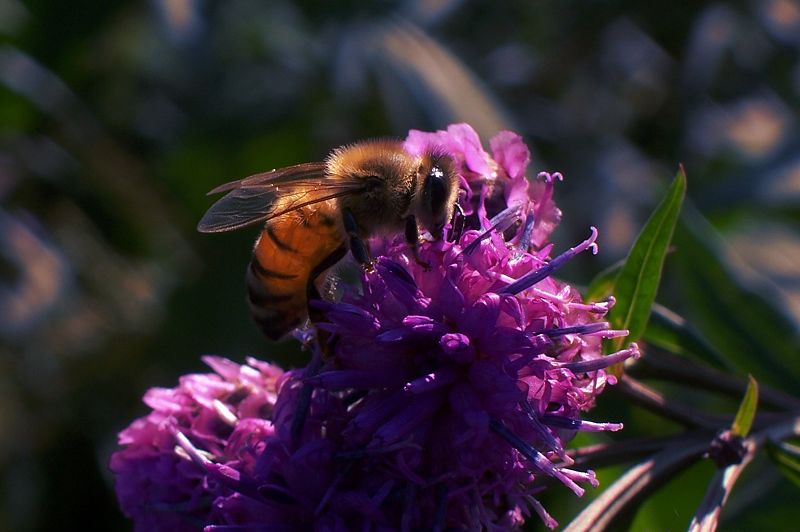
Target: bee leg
x=458 y=213
x=321 y=343
x=412 y=237
x=357 y=246
x=311 y=288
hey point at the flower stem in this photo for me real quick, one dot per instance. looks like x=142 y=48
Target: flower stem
x=661 y=365
x=656 y=402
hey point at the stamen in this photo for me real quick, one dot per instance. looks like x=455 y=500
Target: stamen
x=581 y=476
x=431 y=381
x=549 y=522
x=500 y=276
x=382 y=493
x=524 y=243
x=226 y=475
x=534 y=277
x=188 y=447
x=403 y=422
x=352 y=398
x=586 y=366
x=333 y=487
x=180 y=451
x=304 y=398
x=600 y=307
x=551 y=441
x=396 y=270
x=549 y=178
x=539 y=460
x=589 y=329
x=225 y=413
x=579 y=424
x=500 y=222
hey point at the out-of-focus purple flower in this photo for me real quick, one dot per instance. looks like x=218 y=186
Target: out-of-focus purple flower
x=445 y=391
x=226 y=414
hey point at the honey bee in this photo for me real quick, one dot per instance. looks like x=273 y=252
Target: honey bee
x=313 y=213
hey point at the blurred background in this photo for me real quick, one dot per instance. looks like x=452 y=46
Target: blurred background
x=117 y=117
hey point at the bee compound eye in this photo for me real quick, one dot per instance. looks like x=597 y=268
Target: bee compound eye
x=437 y=188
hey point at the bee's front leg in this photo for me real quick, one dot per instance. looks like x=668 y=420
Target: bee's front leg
x=458 y=214
x=357 y=246
x=412 y=237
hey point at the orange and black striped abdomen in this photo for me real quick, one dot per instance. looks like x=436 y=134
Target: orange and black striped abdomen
x=289 y=252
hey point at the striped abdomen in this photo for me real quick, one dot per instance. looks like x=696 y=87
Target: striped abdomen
x=291 y=251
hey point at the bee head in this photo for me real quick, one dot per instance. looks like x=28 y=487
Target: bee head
x=439 y=193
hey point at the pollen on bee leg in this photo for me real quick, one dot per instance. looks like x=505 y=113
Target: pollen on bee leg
x=368 y=266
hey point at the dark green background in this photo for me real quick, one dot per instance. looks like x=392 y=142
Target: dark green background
x=117 y=117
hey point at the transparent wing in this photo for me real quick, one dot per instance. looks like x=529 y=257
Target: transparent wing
x=277 y=176
x=261 y=197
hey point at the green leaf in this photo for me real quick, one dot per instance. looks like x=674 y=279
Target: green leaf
x=787 y=458
x=673 y=333
x=744 y=317
x=747 y=409
x=637 y=282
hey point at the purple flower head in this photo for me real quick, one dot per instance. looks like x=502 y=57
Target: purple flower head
x=439 y=395
x=479 y=387
x=225 y=413
x=474 y=369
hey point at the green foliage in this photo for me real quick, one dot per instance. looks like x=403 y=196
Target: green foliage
x=135 y=110
x=675 y=334
x=786 y=457
x=636 y=284
x=747 y=410
x=602 y=285
x=743 y=318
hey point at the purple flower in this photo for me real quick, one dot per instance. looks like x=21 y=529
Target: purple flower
x=226 y=414
x=475 y=389
x=444 y=394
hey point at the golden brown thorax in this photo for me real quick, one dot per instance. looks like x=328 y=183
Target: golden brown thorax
x=393 y=174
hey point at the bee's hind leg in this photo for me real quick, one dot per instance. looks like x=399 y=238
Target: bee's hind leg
x=357 y=246
x=412 y=237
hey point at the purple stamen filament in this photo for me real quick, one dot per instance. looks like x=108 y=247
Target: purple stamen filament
x=500 y=222
x=551 y=267
x=539 y=460
x=585 y=366
x=578 y=329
